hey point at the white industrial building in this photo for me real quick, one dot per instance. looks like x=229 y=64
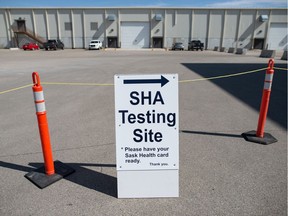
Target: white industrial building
x=134 y=28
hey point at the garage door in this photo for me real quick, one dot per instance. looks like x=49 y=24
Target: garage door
x=135 y=35
x=278 y=36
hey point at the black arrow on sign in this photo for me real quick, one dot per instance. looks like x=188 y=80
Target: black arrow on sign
x=161 y=81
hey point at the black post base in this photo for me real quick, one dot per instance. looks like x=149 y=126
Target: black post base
x=266 y=140
x=41 y=180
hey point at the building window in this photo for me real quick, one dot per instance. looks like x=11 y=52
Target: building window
x=94 y=26
x=68 y=26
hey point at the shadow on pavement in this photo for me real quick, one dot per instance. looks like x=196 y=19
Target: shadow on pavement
x=248 y=88
x=15 y=167
x=83 y=176
x=212 y=133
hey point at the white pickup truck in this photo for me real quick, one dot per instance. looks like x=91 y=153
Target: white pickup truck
x=95 y=44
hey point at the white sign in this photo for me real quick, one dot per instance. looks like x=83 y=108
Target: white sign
x=147 y=124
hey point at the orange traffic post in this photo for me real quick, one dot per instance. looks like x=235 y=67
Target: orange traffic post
x=265 y=99
x=260 y=136
x=52 y=171
x=43 y=124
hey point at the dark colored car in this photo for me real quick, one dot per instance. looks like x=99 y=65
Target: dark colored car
x=53 y=44
x=195 y=44
x=30 y=46
x=178 y=46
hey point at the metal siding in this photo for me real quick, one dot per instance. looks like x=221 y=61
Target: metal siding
x=3 y=24
x=52 y=21
x=177 y=25
x=4 y=35
x=94 y=16
x=279 y=16
x=260 y=27
x=200 y=25
x=182 y=28
x=135 y=15
x=157 y=26
x=231 y=28
x=40 y=23
x=4 y=41
x=246 y=29
x=111 y=26
x=216 y=20
x=169 y=22
x=78 y=28
x=66 y=35
x=24 y=14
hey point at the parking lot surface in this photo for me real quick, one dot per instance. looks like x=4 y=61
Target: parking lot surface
x=220 y=173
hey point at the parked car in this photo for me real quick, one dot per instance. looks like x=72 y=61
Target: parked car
x=53 y=44
x=178 y=46
x=30 y=46
x=95 y=44
x=195 y=44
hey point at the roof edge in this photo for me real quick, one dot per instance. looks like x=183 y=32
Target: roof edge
x=129 y=8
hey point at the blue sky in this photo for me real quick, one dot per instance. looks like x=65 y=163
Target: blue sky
x=147 y=3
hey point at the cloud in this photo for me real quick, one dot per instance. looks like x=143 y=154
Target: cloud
x=249 y=4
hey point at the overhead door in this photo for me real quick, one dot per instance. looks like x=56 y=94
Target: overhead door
x=278 y=36
x=135 y=35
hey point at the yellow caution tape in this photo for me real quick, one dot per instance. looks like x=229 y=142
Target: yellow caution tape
x=109 y=84
x=277 y=68
x=224 y=76
x=77 y=84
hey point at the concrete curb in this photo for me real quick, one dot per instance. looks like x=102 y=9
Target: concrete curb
x=231 y=50
x=223 y=49
x=284 y=56
x=241 y=51
x=268 y=54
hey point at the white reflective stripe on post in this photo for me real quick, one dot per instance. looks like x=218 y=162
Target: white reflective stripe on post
x=38 y=96
x=40 y=107
x=267 y=85
x=269 y=77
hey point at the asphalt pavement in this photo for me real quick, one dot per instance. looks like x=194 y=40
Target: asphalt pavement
x=220 y=172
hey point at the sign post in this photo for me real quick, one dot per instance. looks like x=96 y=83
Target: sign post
x=147 y=135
